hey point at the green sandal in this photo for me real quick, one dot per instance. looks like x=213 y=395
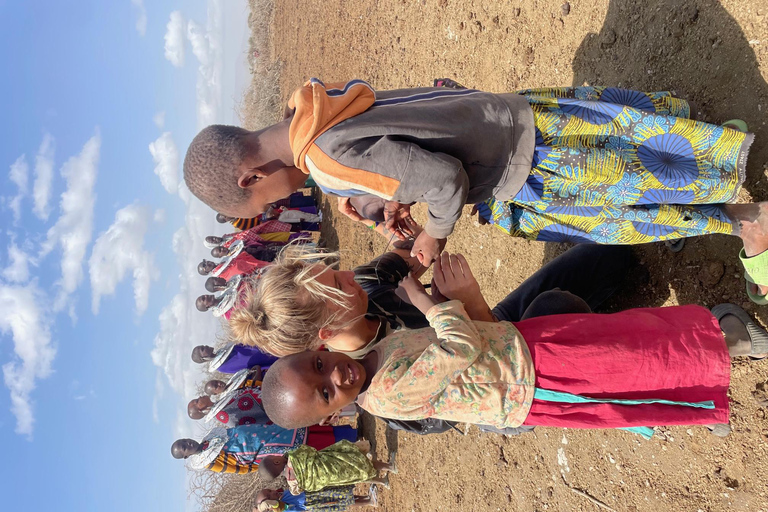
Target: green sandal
x=756 y=272
x=737 y=124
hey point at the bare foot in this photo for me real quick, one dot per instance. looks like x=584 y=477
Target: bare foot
x=754 y=233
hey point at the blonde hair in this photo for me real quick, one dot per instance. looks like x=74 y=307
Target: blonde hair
x=285 y=310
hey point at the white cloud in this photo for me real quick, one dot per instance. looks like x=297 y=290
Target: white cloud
x=159 y=119
x=207 y=48
x=160 y=216
x=174 y=39
x=22 y=316
x=74 y=228
x=19 y=174
x=43 y=177
x=166 y=157
x=141 y=19
x=159 y=393
x=182 y=326
x=18 y=269
x=119 y=250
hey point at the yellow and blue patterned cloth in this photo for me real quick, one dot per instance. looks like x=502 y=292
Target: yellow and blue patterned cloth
x=616 y=166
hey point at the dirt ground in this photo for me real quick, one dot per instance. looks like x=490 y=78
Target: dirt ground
x=716 y=54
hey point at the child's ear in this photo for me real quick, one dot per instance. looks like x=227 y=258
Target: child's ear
x=325 y=334
x=330 y=420
x=248 y=179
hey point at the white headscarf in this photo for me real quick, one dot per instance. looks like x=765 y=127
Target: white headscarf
x=216 y=438
x=228 y=297
x=220 y=357
x=222 y=400
x=235 y=249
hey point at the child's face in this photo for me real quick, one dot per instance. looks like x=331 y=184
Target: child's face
x=323 y=382
x=267 y=184
x=343 y=281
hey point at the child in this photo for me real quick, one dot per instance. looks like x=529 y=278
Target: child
x=307 y=469
x=335 y=499
x=587 y=164
x=642 y=367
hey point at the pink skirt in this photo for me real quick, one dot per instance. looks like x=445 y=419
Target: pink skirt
x=674 y=353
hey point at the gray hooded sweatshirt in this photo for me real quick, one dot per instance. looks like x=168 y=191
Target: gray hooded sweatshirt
x=445 y=147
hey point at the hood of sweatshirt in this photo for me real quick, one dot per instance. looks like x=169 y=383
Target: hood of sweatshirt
x=320 y=107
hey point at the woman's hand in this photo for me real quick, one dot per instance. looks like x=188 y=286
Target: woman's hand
x=455 y=281
x=427 y=249
x=417 y=294
x=347 y=209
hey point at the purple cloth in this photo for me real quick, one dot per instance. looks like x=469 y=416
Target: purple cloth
x=245 y=357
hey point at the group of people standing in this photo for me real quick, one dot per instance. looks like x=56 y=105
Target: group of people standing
x=600 y=166
x=248 y=251
x=240 y=434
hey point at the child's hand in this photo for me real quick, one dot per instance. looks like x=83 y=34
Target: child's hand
x=427 y=249
x=347 y=209
x=417 y=294
x=397 y=217
x=454 y=279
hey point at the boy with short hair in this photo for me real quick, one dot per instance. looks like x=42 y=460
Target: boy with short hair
x=584 y=164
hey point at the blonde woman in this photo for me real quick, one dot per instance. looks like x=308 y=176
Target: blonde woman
x=300 y=304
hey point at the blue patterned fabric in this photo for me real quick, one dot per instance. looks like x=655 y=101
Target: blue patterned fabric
x=249 y=443
x=615 y=166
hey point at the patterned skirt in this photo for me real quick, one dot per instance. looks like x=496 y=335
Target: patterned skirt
x=615 y=166
x=331 y=499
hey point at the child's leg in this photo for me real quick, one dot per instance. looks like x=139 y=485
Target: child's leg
x=751 y=225
x=556 y=302
x=591 y=272
x=362 y=501
x=382 y=481
x=385 y=467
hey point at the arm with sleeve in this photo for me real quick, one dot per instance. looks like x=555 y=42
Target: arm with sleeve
x=442 y=362
x=435 y=178
x=438 y=180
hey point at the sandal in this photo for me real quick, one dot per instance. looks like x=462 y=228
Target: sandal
x=757 y=336
x=374 y=495
x=755 y=272
x=675 y=245
x=736 y=124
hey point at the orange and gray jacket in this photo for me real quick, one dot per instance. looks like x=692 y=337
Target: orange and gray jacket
x=443 y=147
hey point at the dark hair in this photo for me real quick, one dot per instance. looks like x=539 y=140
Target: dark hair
x=193 y=412
x=201 y=268
x=200 y=306
x=197 y=357
x=211 y=283
x=275 y=398
x=216 y=252
x=212 y=164
x=268 y=471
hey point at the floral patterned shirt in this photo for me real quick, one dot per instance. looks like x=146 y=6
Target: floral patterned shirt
x=458 y=370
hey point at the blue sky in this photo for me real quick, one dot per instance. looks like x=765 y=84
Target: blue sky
x=97 y=276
